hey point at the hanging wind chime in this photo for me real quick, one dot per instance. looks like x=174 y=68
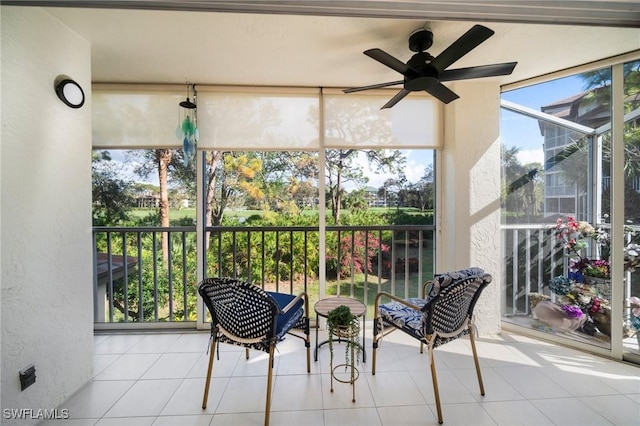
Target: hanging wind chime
x=187 y=131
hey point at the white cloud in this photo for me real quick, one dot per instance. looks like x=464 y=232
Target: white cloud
x=417 y=161
x=527 y=156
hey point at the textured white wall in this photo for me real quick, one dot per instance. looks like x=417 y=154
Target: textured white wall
x=46 y=260
x=469 y=192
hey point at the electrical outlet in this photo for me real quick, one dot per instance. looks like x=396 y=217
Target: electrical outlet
x=27 y=377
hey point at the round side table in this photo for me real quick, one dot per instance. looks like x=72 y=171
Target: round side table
x=322 y=308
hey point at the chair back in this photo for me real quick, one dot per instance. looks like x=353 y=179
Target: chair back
x=451 y=301
x=242 y=313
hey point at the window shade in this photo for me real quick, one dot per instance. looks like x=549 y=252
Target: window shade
x=248 y=118
x=136 y=119
x=357 y=120
x=258 y=120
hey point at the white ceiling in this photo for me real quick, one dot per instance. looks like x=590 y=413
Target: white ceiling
x=156 y=46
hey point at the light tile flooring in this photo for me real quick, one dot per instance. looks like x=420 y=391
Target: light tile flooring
x=158 y=379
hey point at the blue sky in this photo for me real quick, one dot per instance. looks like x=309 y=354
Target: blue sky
x=545 y=93
x=516 y=130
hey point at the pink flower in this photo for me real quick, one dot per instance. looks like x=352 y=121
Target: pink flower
x=635 y=304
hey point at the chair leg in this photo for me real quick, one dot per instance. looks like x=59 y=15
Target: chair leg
x=373 y=359
x=212 y=351
x=307 y=344
x=472 y=339
x=267 y=409
x=374 y=345
x=434 y=378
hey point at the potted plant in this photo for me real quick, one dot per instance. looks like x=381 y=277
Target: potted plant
x=341 y=323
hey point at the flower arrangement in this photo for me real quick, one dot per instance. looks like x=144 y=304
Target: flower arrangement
x=572 y=311
x=578 y=300
x=574 y=236
x=578 y=294
x=631 y=257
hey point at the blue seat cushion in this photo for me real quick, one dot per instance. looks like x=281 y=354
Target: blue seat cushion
x=401 y=316
x=287 y=320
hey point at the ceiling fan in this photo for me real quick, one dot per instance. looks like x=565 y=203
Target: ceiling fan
x=424 y=72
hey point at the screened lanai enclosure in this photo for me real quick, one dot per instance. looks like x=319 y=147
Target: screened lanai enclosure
x=290 y=189
x=571 y=169
x=278 y=189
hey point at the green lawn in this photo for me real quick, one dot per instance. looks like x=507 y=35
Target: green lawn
x=176 y=214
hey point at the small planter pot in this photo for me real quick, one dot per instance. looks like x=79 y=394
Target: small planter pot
x=345 y=331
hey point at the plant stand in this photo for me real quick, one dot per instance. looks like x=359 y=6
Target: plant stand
x=348 y=334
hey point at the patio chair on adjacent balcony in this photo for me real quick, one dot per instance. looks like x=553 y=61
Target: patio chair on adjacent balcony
x=439 y=317
x=245 y=315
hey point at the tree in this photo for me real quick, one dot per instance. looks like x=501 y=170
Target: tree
x=112 y=199
x=235 y=183
x=598 y=83
x=341 y=169
x=163 y=158
x=289 y=180
x=521 y=184
x=395 y=187
x=166 y=163
x=259 y=122
x=425 y=191
x=356 y=200
x=349 y=123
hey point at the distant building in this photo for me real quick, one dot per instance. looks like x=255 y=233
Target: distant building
x=561 y=196
x=147 y=199
x=373 y=198
x=587 y=109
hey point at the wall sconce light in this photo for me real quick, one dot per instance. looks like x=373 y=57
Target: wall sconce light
x=69 y=92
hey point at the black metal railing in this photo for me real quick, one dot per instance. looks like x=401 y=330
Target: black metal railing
x=149 y=274
x=138 y=280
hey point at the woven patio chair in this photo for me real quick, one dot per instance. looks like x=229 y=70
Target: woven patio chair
x=243 y=314
x=442 y=315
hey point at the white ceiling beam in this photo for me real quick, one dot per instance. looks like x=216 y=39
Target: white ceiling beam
x=567 y=12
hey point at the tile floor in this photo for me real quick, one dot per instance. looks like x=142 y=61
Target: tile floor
x=158 y=379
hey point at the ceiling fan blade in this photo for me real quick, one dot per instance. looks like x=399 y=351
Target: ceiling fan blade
x=373 y=86
x=397 y=98
x=388 y=60
x=465 y=44
x=440 y=91
x=477 y=72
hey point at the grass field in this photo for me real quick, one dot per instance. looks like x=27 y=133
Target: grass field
x=190 y=213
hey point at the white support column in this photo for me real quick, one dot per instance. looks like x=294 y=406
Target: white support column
x=322 y=201
x=617 y=206
x=200 y=234
x=469 y=180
